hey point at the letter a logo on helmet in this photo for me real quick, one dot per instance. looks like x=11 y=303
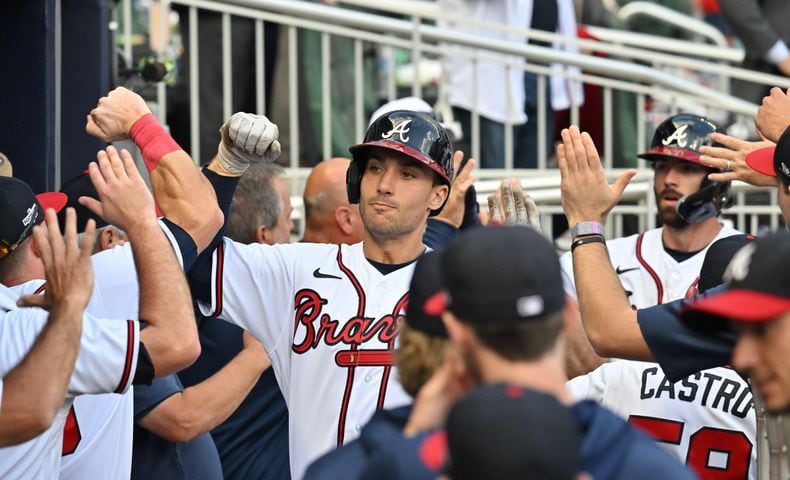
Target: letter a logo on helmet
x=679 y=136
x=401 y=129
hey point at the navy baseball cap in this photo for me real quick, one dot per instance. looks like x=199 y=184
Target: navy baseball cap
x=502 y=275
x=80 y=186
x=22 y=210
x=507 y=431
x=717 y=258
x=421 y=313
x=758 y=288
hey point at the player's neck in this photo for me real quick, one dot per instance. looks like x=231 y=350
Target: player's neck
x=545 y=374
x=31 y=268
x=395 y=251
x=691 y=238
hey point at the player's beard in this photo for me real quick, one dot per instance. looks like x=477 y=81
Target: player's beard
x=668 y=214
x=382 y=228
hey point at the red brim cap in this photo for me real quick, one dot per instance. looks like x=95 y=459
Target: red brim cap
x=402 y=148
x=762 y=161
x=53 y=200
x=742 y=305
x=436 y=304
x=659 y=153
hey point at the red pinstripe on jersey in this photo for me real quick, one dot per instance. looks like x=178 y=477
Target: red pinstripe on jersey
x=127 y=367
x=41 y=289
x=659 y=285
x=396 y=313
x=218 y=284
x=341 y=423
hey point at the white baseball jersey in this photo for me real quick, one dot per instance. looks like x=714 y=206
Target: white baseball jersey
x=97 y=439
x=706 y=420
x=329 y=320
x=649 y=275
x=105 y=363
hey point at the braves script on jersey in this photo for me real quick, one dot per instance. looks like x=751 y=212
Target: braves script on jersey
x=706 y=420
x=105 y=363
x=329 y=321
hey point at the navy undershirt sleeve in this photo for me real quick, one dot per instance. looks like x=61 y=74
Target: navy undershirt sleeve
x=680 y=349
x=438 y=234
x=144 y=374
x=186 y=244
x=199 y=276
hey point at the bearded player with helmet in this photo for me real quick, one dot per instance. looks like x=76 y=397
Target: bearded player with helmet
x=328 y=315
x=707 y=420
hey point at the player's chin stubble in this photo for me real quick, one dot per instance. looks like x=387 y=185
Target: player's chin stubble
x=381 y=228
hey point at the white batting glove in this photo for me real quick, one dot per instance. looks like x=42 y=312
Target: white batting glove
x=246 y=139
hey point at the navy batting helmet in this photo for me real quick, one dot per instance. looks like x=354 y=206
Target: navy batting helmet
x=415 y=134
x=680 y=137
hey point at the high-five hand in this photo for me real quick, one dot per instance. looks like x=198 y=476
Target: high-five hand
x=586 y=194
x=124 y=199
x=67 y=263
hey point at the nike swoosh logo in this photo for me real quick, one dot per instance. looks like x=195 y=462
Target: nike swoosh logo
x=318 y=274
x=621 y=271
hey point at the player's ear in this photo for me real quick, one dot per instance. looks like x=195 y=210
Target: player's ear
x=344 y=220
x=264 y=235
x=107 y=239
x=457 y=331
x=438 y=196
x=34 y=248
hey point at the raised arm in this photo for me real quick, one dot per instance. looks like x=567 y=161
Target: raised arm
x=609 y=321
x=246 y=139
x=183 y=195
x=170 y=336
x=34 y=389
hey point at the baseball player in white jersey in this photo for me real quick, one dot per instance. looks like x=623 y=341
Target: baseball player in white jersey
x=707 y=420
x=328 y=315
x=168 y=343
x=97 y=436
x=97 y=439
x=106 y=363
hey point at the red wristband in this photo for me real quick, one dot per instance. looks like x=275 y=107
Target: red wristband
x=152 y=140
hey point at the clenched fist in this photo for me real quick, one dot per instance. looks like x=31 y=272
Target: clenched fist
x=246 y=139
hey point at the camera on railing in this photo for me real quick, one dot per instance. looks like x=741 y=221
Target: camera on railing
x=149 y=70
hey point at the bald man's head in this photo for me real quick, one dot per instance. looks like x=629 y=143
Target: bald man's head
x=329 y=218
x=328 y=175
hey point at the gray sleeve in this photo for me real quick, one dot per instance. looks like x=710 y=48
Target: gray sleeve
x=751 y=25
